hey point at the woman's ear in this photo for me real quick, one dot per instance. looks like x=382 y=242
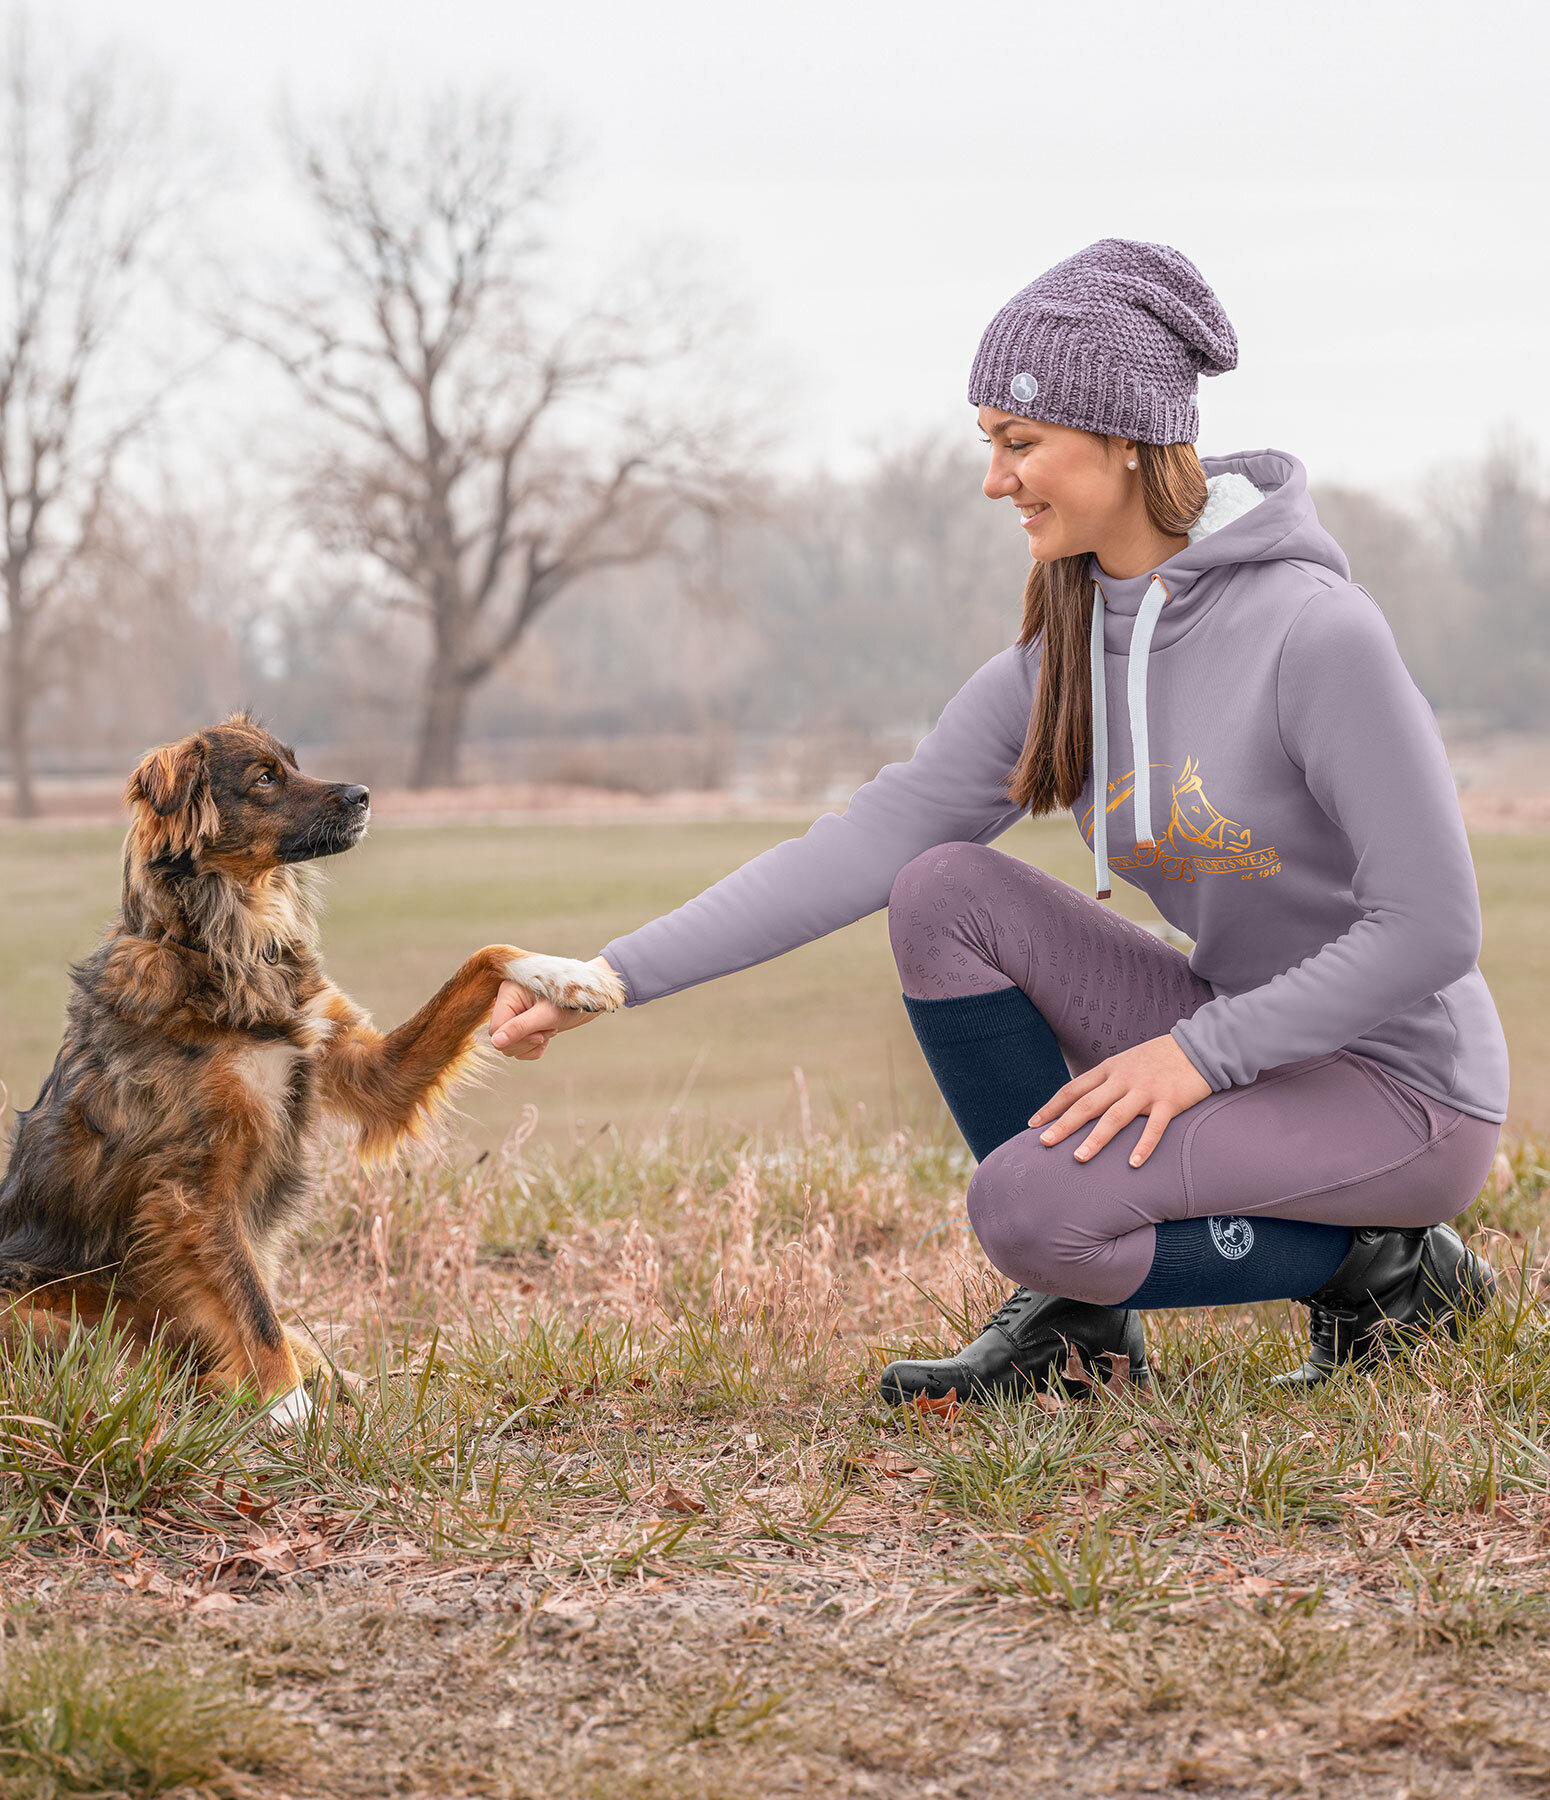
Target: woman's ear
x=172 y=783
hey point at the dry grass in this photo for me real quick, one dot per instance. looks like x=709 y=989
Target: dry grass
x=616 y=1511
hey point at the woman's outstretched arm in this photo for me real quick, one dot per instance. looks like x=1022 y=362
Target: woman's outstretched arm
x=952 y=789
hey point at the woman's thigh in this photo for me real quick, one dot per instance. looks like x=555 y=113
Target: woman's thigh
x=965 y=919
x=1333 y=1139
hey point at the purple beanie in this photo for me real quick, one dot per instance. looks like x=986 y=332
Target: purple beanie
x=1109 y=340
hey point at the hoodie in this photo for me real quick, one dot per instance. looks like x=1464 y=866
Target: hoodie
x=1272 y=779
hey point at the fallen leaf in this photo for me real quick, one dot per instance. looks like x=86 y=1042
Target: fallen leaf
x=217 y=1602
x=142 y=1580
x=880 y=1462
x=946 y=1408
x=675 y=1500
x=110 y=1538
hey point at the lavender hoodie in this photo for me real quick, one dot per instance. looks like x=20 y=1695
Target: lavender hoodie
x=1304 y=827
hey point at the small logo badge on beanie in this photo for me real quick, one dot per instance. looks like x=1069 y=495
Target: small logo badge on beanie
x=1233 y=1237
x=1024 y=388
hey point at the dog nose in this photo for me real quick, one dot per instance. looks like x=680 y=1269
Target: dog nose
x=357 y=796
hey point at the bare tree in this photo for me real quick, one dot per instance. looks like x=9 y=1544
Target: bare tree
x=493 y=439
x=83 y=190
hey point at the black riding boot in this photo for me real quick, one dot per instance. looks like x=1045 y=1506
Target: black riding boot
x=1024 y=1346
x=1392 y=1287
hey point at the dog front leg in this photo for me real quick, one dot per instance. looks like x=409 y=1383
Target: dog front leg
x=386 y=1082
x=197 y=1266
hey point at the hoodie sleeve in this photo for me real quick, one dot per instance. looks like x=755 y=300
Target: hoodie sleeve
x=952 y=789
x=1372 y=754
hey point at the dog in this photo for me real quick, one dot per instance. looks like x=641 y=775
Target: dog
x=167 y=1160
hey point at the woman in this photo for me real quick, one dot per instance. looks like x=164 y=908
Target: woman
x=1292 y=1110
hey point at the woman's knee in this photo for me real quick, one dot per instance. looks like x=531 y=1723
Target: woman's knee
x=936 y=877
x=944 y=884
x=1061 y=1227
x=1011 y=1214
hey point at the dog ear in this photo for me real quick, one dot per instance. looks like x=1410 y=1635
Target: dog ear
x=165 y=778
x=172 y=782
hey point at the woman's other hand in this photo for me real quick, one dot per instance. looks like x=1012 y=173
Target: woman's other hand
x=521 y=1027
x=1155 y=1078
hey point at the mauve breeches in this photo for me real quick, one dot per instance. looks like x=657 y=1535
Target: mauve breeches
x=1333 y=1138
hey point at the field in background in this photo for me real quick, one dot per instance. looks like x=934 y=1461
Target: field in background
x=412 y=901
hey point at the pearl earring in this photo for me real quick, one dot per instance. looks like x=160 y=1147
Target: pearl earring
x=1131 y=464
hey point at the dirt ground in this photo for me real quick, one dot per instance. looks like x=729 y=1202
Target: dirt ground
x=616 y=1511
x=484 y=1681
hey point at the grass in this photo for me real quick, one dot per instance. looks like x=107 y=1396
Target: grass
x=408 y=905
x=77 y=1717
x=614 y=1510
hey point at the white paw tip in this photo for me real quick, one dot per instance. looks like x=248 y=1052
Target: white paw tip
x=575 y=986
x=292 y=1408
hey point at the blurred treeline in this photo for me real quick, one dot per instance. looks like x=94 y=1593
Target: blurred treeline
x=846 y=615
x=439 y=507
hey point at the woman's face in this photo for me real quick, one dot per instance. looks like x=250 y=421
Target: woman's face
x=1072 y=488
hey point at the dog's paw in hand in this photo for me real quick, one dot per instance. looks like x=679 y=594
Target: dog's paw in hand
x=564 y=982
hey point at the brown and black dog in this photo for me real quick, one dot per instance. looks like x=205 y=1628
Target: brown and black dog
x=167 y=1158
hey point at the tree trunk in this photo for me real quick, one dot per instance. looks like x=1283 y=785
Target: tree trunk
x=441 y=728
x=18 y=707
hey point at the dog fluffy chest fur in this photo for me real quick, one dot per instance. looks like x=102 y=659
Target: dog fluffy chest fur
x=276 y=1075
x=240 y=1092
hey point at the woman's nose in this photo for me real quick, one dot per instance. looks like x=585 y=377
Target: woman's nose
x=999 y=482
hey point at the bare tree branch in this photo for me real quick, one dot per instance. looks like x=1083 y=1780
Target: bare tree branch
x=85 y=193
x=492 y=440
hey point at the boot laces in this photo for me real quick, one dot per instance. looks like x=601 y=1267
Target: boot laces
x=1011 y=1310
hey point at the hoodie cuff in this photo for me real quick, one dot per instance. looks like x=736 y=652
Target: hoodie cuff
x=1212 y=1078
x=617 y=963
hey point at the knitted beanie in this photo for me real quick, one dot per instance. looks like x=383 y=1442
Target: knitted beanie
x=1109 y=340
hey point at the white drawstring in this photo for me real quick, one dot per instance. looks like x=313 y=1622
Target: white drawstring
x=1135 y=695
x=1140 y=660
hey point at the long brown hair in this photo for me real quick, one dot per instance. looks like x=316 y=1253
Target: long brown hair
x=1058 y=606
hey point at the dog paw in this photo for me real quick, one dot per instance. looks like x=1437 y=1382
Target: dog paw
x=293 y=1408
x=575 y=986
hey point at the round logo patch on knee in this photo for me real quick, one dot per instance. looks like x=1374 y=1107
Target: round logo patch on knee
x=1233 y=1237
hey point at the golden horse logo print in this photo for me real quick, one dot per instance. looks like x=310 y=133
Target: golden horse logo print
x=1199 y=840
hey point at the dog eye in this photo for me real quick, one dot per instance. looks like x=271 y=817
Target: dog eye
x=266 y=779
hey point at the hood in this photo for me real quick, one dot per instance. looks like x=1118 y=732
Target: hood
x=1257 y=511
x=1276 y=522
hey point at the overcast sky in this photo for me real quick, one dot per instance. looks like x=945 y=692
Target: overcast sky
x=1364 y=184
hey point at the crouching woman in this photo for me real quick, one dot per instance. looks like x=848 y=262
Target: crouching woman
x=1294 y=1109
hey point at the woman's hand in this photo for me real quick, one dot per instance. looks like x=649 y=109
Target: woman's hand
x=521 y=1027
x=1155 y=1078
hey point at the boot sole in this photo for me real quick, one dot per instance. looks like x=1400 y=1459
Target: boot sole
x=896 y=1395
